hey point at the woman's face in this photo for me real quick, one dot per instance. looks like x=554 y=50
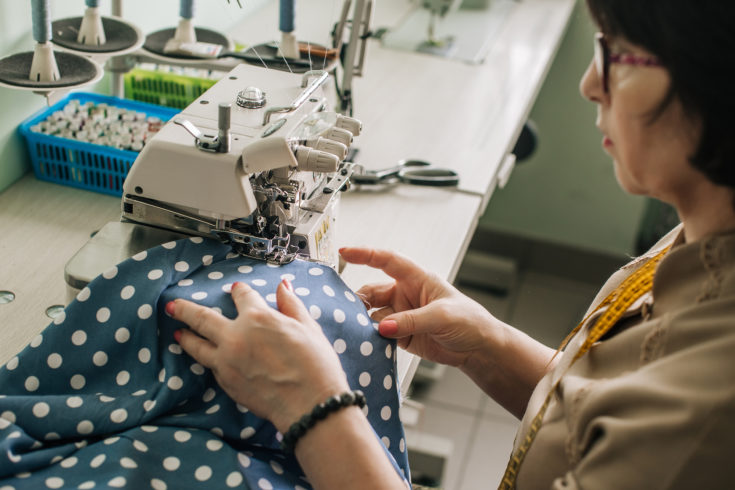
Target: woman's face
x=650 y=155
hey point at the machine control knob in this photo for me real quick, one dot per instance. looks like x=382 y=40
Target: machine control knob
x=334 y=147
x=351 y=124
x=251 y=98
x=312 y=160
x=338 y=134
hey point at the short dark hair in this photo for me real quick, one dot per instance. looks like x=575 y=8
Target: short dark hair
x=695 y=41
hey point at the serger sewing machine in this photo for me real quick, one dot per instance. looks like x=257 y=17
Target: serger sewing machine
x=256 y=161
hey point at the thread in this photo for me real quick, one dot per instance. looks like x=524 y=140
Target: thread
x=286 y=15
x=41 y=20
x=186 y=9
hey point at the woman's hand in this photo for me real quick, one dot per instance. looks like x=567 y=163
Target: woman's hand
x=278 y=364
x=427 y=315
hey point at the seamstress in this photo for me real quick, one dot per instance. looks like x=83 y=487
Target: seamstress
x=643 y=394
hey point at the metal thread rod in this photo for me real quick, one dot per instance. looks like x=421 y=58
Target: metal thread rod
x=186 y=9
x=287 y=15
x=223 y=125
x=41 y=19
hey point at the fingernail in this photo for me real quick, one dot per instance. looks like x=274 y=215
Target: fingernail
x=170 y=307
x=234 y=285
x=388 y=328
x=341 y=250
x=288 y=284
x=177 y=335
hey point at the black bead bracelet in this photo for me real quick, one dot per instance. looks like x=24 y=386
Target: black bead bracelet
x=320 y=412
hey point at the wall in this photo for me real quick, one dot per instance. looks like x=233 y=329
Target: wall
x=15 y=37
x=566 y=193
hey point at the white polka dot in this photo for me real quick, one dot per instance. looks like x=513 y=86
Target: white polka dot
x=315 y=271
x=214 y=444
x=271 y=298
x=169 y=245
x=215 y=275
x=54 y=361
x=247 y=433
x=213 y=409
x=171 y=463
x=145 y=312
x=290 y=277
x=259 y=282
x=69 y=462
x=264 y=484
x=119 y=481
x=144 y=355
x=234 y=479
x=175 y=383
x=241 y=408
x=315 y=312
x=122 y=335
x=140 y=393
x=36 y=341
x=362 y=320
x=208 y=395
x=4 y=424
x=128 y=463
x=231 y=255
x=110 y=273
x=140 y=446
x=207 y=260
x=149 y=428
x=127 y=292
x=197 y=368
x=389 y=351
x=12 y=364
x=185 y=282
x=119 y=416
x=140 y=256
x=328 y=291
x=162 y=375
x=277 y=468
x=402 y=445
x=388 y=382
x=364 y=379
x=103 y=314
x=74 y=402
x=81 y=444
x=79 y=337
x=157 y=484
x=244 y=269
x=302 y=291
x=106 y=399
x=31 y=383
x=41 y=409
x=199 y=295
x=340 y=346
x=244 y=460
x=217 y=431
x=181 y=266
x=9 y=416
x=77 y=381
x=385 y=412
x=84 y=294
x=339 y=316
x=366 y=348
x=54 y=482
x=85 y=427
x=111 y=440
x=182 y=435
x=175 y=349
x=196 y=239
x=59 y=319
x=122 y=378
x=386 y=441
x=203 y=473
x=97 y=461
x=155 y=274
x=87 y=485
x=99 y=358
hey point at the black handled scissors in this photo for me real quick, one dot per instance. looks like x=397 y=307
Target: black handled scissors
x=415 y=172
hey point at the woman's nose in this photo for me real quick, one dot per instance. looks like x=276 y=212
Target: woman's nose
x=590 y=86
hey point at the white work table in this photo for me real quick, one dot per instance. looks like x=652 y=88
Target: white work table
x=452 y=114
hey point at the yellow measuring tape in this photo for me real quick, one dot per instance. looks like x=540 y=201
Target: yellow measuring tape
x=618 y=302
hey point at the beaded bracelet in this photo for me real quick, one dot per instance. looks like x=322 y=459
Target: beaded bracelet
x=320 y=412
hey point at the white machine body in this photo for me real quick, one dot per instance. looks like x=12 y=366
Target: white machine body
x=257 y=161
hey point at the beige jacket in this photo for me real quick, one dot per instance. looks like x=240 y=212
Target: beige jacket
x=651 y=406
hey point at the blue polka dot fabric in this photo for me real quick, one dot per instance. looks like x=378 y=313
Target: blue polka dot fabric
x=104 y=397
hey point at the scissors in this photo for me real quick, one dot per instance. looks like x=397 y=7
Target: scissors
x=415 y=172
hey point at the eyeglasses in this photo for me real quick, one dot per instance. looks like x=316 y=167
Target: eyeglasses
x=604 y=58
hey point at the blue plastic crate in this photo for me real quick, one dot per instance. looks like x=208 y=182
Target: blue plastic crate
x=80 y=164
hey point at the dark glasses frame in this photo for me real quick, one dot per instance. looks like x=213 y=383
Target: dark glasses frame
x=604 y=58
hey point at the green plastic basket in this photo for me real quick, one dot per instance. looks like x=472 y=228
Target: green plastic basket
x=162 y=88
